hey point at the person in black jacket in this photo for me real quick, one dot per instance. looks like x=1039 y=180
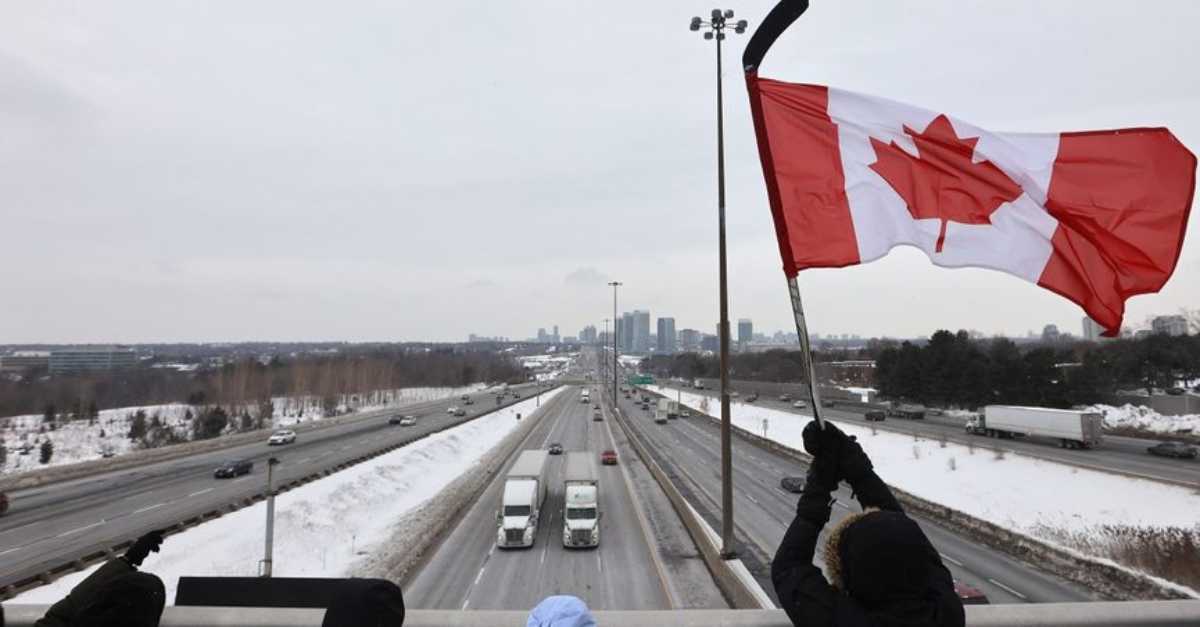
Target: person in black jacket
x=116 y=594
x=883 y=569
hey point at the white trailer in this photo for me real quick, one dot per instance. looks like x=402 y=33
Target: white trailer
x=585 y=396
x=1072 y=429
x=698 y=384
x=521 y=500
x=581 y=501
x=662 y=411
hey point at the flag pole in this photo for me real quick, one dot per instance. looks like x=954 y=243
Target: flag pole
x=805 y=348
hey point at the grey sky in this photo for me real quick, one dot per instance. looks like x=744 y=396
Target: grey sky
x=313 y=170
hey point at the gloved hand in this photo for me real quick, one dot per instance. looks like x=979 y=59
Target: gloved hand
x=832 y=449
x=143 y=546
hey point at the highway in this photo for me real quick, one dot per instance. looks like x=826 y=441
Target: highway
x=49 y=525
x=1117 y=453
x=689 y=449
x=468 y=572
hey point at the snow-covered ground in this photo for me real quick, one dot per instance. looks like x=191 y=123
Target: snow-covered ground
x=548 y=367
x=1140 y=417
x=324 y=528
x=865 y=394
x=82 y=440
x=1032 y=496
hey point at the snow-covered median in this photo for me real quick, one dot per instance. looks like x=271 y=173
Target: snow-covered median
x=1146 y=419
x=1047 y=500
x=324 y=528
x=83 y=440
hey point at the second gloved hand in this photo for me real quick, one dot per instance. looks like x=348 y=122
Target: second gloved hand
x=830 y=446
x=143 y=546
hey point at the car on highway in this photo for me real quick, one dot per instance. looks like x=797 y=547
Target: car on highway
x=465 y=397
x=1176 y=391
x=828 y=402
x=734 y=394
x=969 y=595
x=752 y=398
x=233 y=468
x=283 y=436
x=785 y=398
x=452 y=410
x=799 y=405
x=1173 y=449
x=874 y=415
x=597 y=416
x=685 y=413
x=794 y=485
x=403 y=421
x=646 y=406
x=3 y=503
x=460 y=412
x=555 y=448
x=608 y=458
x=468 y=401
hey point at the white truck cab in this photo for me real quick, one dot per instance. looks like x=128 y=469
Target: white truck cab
x=581 y=502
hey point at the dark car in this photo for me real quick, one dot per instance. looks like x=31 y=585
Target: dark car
x=1173 y=449
x=970 y=595
x=597 y=416
x=555 y=449
x=875 y=415
x=235 y=468
x=1176 y=391
x=792 y=484
x=828 y=402
x=3 y=503
x=752 y=398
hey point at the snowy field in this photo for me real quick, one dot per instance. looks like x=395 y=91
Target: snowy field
x=324 y=528
x=1139 y=417
x=82 y=440
x=1035 y=497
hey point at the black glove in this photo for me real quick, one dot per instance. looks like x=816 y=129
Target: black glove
x=143 y=546
x=832 y=448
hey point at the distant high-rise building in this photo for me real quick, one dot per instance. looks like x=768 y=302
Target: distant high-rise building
x=555 y=338
x=745 y=332
x=588 y=335
x=1169 y=325
x=625 y=336
x=1050 y=333
x=542 y=338
x=1092 y=330
x=641 y=331
x=710 y=343
x=689 y=340
x=666 y=335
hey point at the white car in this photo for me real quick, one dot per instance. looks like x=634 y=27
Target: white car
x=286 y=436
x=799 y=404
x=408 y=421
x=451 y=410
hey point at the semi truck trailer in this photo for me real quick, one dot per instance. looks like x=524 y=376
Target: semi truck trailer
x=662 y=411
x=521 y=501
x=1072 y=429
x=581 y=501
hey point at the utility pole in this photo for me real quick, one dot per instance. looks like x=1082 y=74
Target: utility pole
x=269 y=549
x=615 y=285
x=715 y=29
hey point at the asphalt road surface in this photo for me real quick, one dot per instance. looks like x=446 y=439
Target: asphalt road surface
x=53 y=524
x=469 y=572
x=689 y=448
x=1117 y=453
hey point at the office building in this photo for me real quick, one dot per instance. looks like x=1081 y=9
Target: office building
x=1092 y=330
x=20 y=361
x=1169 y=325
x=91 y=359
x=710 y=343
x=625 y=333
x=588 y=335
x=689 y=340
x=1050 y=333
x=745 y=333
x=641 y=331
x=666 y=336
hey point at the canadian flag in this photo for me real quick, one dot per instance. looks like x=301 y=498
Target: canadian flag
x=1095 y=216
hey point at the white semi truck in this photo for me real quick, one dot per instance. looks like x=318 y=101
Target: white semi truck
x=1072 y=429
x=521 y=501
x=585 y=396
x=581 y=501
x=662 y=411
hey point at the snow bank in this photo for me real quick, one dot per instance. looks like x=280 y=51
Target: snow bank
x=1025 y=494
x=323 y=528
x=83 y=440
x=1139 y=417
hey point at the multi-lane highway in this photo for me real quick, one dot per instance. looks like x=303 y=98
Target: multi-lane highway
x=688 y=448
x=1116 y=454
x=52 y=524
x=626 y=571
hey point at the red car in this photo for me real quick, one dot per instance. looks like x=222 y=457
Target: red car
x=969 y=595
x=608 y=458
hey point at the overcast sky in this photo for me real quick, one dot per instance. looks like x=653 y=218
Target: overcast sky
x=298 y=170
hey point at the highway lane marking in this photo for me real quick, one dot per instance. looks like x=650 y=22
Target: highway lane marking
x=83 y=528
x=148 y=508
x=199 y=492
x=7 y=551
x=480 y=575
x=1014 y=592
x=239 y=479
x=304 y=461
x=466 y=603
x=752 y=499
x=950 y=559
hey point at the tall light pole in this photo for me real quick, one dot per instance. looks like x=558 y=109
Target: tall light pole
x=714 y=28
x=615 y=285
x=603 y=361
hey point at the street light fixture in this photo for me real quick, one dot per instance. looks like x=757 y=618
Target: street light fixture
x=714 y=28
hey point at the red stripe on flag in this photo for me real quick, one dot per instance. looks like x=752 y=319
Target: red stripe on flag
x=1122 y=200
x=802 y=164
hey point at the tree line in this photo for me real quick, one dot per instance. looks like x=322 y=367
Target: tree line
x=328 y=378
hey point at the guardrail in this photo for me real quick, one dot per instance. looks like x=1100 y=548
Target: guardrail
x=110 y=549
x=1107 y=614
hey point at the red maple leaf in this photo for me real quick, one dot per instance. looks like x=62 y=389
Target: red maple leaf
x=944 y=182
